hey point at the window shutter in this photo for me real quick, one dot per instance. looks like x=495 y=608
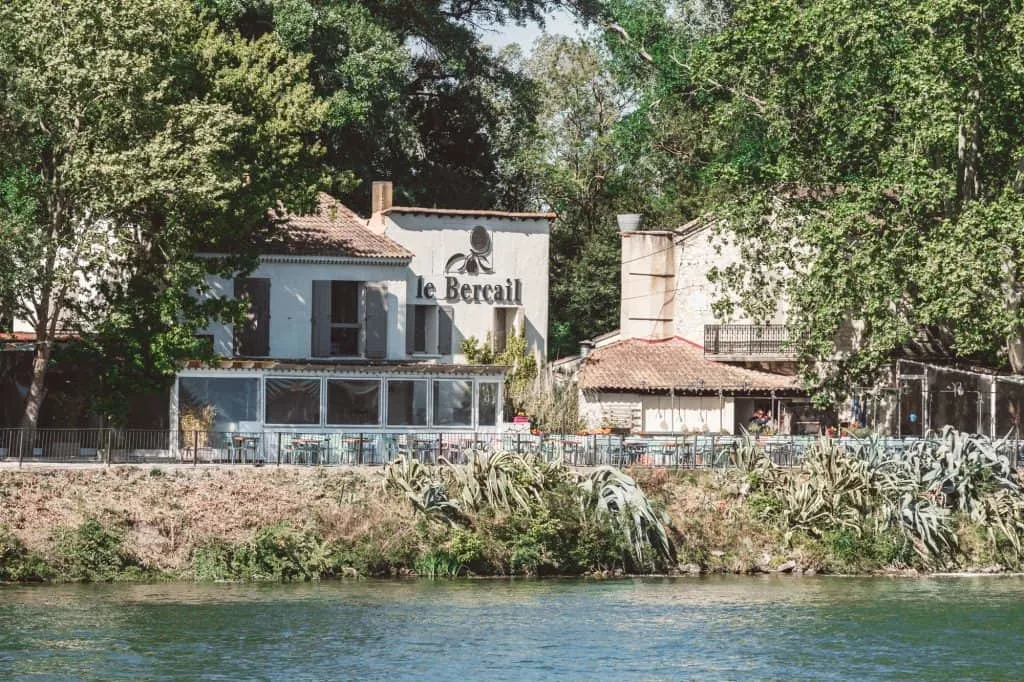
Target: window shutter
x=410 y=329
x=445 y=328
x=376 y=320
x=320 y=342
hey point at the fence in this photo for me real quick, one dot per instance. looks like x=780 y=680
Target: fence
x=340 y=448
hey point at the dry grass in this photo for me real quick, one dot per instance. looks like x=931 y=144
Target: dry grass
x=167 y=513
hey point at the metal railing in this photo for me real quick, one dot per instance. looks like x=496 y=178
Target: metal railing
x=375 y=448
x=746 y=340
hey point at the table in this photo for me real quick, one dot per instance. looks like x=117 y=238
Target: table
x=309 y=450
x=240 y=445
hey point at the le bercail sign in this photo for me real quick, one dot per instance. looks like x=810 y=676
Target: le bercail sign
x=477 y=262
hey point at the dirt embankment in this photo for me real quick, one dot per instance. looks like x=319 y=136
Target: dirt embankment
x=165 y=513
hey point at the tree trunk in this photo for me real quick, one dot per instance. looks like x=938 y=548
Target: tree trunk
x=1015 y=351
x=34 y=401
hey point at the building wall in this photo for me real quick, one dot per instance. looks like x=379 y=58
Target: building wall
x=291 y=304
x=695 y=294
x=683 y=414
x=658 y=413
x=648 y=285
x=518 y=257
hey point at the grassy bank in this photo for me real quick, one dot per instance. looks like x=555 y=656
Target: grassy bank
x=508 y=515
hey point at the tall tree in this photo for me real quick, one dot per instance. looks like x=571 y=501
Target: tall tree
x=577 y=170
x=867 y=159
x=436 y=110
x=130 y=134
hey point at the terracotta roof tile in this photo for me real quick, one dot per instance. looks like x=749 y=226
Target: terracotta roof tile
x=640 y=365
x=335 y=230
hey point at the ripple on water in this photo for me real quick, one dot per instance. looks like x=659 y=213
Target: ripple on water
x=766 y=627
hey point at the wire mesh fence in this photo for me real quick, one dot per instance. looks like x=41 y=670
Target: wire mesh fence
x=363 y=448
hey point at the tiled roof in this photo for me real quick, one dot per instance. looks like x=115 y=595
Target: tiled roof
x=641 y=365
x=470 y=213
x=334 y=230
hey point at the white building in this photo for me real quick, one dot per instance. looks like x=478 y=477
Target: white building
x=672 y=366
x=356 y=325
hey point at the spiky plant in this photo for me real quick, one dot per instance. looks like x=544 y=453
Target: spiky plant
x=613 y=493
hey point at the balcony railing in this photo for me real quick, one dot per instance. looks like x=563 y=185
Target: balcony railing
x=746 y=341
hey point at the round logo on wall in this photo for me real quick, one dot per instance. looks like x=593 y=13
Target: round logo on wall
x=478 y=260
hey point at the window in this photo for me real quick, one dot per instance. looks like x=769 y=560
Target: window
x=407 y=403
x=353 y=401
x=217 y=404
x=292 y=401
x=453 y=402
x=504 y=326
x=424 y=326
x=487 y=403
x=336 y=315
x=252 y=336
x=429 y=329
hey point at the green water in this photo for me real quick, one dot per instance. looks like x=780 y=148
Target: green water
x=653 y=629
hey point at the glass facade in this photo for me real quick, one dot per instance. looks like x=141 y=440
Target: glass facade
x=217 y=403
x=407 y=402
x=453 y=402
x=292 y=401
x=487 y=403
x=353 y=401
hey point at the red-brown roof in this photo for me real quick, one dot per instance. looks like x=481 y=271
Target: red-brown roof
x=676 y=364
x=334 y=230
x=470 y=213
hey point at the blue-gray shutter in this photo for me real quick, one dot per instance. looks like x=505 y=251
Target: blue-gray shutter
x=445 y=329
x=376 y=320
x=410 y=329
x=320 y=335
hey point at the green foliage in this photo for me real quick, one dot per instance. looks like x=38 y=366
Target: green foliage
x=517 y=356
x=17 y=563
x=135 y=134
x=277 y=552
x=863 y=158
x=94 y=553
x=547 y=518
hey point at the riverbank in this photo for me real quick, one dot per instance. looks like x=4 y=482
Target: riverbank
x=296 y=523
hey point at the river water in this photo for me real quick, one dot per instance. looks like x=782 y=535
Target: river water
x=727 y=628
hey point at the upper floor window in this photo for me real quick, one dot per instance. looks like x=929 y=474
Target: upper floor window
x=429 y=329
x=349 y=319
x=252 y=337
x=504 y=326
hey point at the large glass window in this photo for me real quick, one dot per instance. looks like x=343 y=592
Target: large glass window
x=407 y=403
x=453 y=402
x=217 y=404
x=487 y=405
x=353 y=401
x=293 y=401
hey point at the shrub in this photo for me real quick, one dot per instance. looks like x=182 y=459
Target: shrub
x=17 y=563
x=94 y=553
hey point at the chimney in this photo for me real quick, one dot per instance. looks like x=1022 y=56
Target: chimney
x=585 y=347
x=647 y=304
x=380 y=196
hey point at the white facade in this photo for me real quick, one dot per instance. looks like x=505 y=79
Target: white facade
x=516 y=289
x=516 y=286
x=356 y=325
x=291 y=302
x=651 y=413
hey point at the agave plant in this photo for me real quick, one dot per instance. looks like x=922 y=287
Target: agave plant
x=425 y=491
x=617 y=495
x=505 y=481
